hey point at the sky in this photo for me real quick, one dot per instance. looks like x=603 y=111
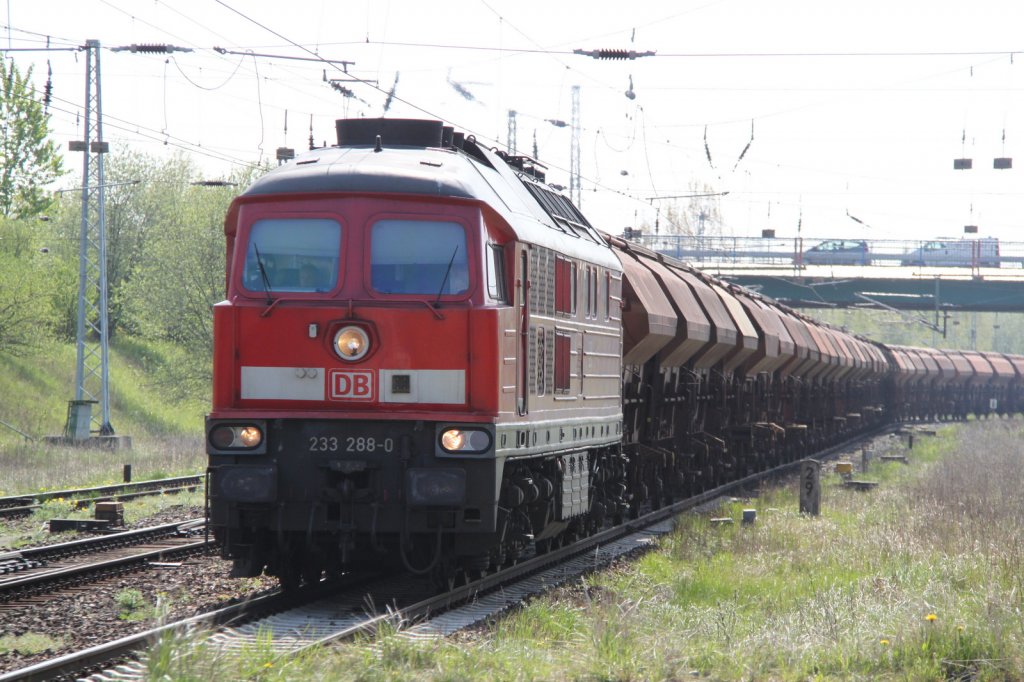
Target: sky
x=823 y=119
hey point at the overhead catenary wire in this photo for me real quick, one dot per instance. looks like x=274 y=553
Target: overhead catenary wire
x=162 y=29
x=609 y=134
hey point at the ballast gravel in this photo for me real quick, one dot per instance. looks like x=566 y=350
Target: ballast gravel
x=95 y=613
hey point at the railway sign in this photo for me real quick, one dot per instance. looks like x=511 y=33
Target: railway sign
x=810 y=487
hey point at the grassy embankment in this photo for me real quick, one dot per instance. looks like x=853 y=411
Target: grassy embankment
x=34 y=390
x=920 y=579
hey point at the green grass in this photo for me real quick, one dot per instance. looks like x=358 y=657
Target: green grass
x=28 y=644
x=132 y=605
x=34 y=390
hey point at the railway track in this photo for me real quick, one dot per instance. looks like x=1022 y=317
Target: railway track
x=19 y=505
x=330 y=613
x=35 y=571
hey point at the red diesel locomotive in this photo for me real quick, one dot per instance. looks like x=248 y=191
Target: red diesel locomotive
x=429 y=358
x=392 y=379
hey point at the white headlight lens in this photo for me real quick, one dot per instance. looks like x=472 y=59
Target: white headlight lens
x=351 y=343
x=465 y=440
x=452 y=439
x=250 y=436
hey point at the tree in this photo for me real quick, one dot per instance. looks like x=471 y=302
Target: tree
x=29 y=160
x=25 y=287
x=144 y=198
x=701 y=216
x=177 y=279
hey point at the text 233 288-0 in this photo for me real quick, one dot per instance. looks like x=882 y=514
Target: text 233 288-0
x=351 y=444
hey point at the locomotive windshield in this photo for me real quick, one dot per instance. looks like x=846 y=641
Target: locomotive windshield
x=294 y=254
x=419 y=257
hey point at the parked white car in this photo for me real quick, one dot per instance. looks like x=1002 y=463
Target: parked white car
x=955 y=253
x=838 y=252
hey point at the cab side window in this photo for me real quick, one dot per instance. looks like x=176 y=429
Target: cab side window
x=496 y=288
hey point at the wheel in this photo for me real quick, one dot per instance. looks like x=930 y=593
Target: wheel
x=290 y=577
x=311 y=573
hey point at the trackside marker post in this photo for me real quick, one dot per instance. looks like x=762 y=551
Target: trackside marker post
x=810 y=487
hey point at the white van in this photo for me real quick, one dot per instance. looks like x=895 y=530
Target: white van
x=982 y=252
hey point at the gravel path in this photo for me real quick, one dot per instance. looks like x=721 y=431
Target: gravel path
x=84 y=618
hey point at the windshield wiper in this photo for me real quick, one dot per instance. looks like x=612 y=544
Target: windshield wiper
x=446 y=274
x=263 y=274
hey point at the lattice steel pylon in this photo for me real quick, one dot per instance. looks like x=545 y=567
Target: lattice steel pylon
x=574 y=150
x=92 y=369
x=512 y=144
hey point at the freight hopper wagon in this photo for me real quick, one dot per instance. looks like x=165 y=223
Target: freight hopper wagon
x=719 y=383
x=934 y=384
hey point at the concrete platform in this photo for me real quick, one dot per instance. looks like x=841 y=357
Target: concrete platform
x=115 y=442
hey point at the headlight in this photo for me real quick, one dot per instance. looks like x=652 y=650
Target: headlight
x=465 y=441
x=239 y=436
x=351 y=343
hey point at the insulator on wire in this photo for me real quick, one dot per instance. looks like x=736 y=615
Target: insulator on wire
x=150 y=48
x=48 y=88
x=613 y=54
x=707 y=149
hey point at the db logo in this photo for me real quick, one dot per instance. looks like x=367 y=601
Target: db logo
x=351 y=385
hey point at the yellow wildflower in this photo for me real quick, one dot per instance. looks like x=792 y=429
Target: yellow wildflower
x=931 y=618
x=268 y=664
x=883 y=642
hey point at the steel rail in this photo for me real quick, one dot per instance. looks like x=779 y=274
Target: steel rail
x=96 y=544
x=21 y=502
x=9 y=587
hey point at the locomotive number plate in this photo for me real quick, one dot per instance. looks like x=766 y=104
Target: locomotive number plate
x=351 y=444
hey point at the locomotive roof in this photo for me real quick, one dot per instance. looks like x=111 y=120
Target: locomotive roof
x=535 y=212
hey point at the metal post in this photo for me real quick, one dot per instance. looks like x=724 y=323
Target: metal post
x=574 y=150
x=512 y=144
x=92 y=368
x=810 y=487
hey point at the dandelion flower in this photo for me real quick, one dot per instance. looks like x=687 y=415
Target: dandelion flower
x=931 y=618
x=883 y=642
x=268 y=664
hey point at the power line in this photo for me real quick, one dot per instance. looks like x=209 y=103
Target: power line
x=678 y=55
x=40 y=49
x=318 y=59
x=48 y=37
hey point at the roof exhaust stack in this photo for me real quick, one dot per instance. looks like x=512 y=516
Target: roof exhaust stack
x=399 y=132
